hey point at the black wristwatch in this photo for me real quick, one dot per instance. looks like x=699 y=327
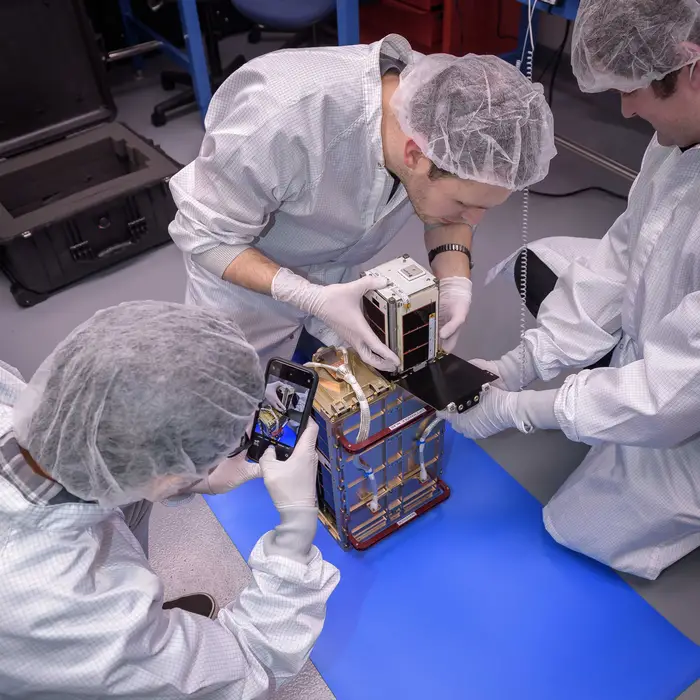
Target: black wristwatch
x=451 y=248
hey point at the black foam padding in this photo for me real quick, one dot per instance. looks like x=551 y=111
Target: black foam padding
x=54 y=182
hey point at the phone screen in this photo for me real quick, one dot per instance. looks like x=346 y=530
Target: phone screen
x=284 y=412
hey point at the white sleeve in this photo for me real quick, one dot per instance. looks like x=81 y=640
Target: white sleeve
x=248 y=165
x=11 y=385
x=654 y=402
x=580 y=320
x=6 y=370
x=258 y=642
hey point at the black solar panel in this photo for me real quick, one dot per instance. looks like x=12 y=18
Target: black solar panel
x=376 y=319
x=416 y=335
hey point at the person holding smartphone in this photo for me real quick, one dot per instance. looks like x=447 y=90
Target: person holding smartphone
x=280 y=427
x=141 y=402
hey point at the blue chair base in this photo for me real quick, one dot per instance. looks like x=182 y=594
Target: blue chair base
x=284 y=15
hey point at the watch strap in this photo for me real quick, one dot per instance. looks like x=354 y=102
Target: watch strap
x=451 y=248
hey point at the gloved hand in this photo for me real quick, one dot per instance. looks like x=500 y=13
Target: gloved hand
x=500 y=410
x=339 y=306
x=272 y=398
x=230 y=474
x=292 y=483
x=455 y=300
x=491 y=366
x=319 y=330
x=292 y=487
x=514 y=376
x=327 y=336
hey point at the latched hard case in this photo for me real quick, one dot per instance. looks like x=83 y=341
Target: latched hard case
x=78 y=192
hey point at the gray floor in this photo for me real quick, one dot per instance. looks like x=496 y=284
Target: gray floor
x=202 y=558
x=189 y=548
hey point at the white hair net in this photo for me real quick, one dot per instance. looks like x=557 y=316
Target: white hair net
x=477 y=117
x=626 y=45
x=143 y=392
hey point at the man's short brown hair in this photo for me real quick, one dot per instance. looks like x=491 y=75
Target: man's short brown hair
x=667 y=86
x=437 y=173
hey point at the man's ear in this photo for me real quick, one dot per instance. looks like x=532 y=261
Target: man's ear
x=412 y=155
x=693 y=50
x=694 y=77
x=690 y=49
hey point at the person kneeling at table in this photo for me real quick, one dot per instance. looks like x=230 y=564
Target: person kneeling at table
x=626 y=309
x=143 y=401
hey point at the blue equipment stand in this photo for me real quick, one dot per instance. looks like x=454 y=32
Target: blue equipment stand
x=193 y=58
x=348 y=13
x=475 y=600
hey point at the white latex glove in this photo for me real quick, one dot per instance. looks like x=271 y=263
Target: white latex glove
x=230 y=474
x=514 y=376
x=329 y=338
x=491 y=366
x=500 y=410
x=292 y=484
x=292 y=487
x=455 y=300
x=272 y=398
x=339 y=306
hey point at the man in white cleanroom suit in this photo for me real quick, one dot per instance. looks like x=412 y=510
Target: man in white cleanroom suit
x=143 y=401
x=314 y=159
x=634 y=502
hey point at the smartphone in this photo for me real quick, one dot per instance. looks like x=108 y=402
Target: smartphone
x=284 y=412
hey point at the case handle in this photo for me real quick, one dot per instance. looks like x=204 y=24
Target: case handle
x=82 y=252
x=114 y=249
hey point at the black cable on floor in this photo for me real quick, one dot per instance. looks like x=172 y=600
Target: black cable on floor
x=545 y=70
x=557 y=62
x=558 y=195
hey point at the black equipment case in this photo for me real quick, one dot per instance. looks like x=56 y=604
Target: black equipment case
x=78 y=192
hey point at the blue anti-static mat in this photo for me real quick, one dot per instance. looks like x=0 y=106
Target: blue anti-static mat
x=475 y=601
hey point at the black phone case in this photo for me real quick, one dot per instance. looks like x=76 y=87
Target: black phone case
x=259 y=443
